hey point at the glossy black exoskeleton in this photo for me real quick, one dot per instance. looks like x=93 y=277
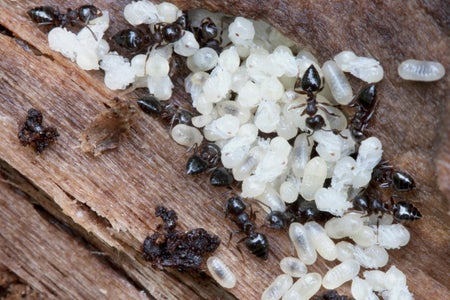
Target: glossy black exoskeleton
x=48 y=15
x=388 y=177
x=405 y=211
x=311 y=84
x=276 y=220
x=258 y=245
x=234 y=206
x=221 y=177
x=255 y=242
x=207 y=155
x=372 y=204
x=208 y=35
x=167 y=33
x=402 y=182
x=131 y=39
x=150 y=105
x=365 y=103
x=303 y=211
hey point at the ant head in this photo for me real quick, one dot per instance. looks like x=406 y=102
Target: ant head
x=275 y=220
x=88 y=12
x=315 y=122
x=311 y=81
x=366 y=98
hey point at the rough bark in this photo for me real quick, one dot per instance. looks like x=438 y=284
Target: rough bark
x=110 y=199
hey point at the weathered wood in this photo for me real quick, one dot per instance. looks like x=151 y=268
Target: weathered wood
x=110 y=199
x=32 y=246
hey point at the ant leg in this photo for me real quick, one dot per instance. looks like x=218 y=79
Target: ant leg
x=327 y=111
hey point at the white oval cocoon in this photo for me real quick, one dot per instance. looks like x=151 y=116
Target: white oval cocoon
x=340 y=87
x=220 y=272
x=278 y=287
x=338 y=228
x=340 y=274
x=293 y=266
x=393 y=236
x=373 y=257
x=420 y=70
x=314 y=176
x=321 y=241
x=304 y=288
x=186 y=135
x=302 y=243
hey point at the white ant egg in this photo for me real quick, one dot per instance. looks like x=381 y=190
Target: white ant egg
x=376 y=279
x=304 y=288
x=187 y=45
x=252 y=186
x=340 y=87
x=222 y=128
x=63 y=41
x=321 y=241
x=234 y=152
x=241 y=31
x=272 y=89
x=289 y=190
x=364 y=237
x=229 y=59
x=277 y=288
x=235 y=109
x=302 y=243
x=286 y=129
x=160 y=87
x=361 y=289
x=203 y=60
x=118 y=71
x=157 y=66
x=193 y=84
x=138 y=64
x=314 y=175
x=369 y=154
x=249 y=95
x=344 y=251
x=140 y=12
x=186 y=135
x=332 y=201
x=329 y=145
x=338 y=228
x=420 y=70
x=394 y=277
x=220 y=272
x=392 y=236
x=373 y=257
x=267 y=116
x=302 y=154
x=272 y=199
x=340 y=274
x=167 y=12
x=293 y=266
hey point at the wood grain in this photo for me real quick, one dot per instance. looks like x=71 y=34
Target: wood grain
x=110 y=199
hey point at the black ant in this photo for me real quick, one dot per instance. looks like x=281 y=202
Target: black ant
x=152 y=106
x=48 y=15
x=387 y=176
x=205 y=156
x=401 y=211
x=365 y=102
x=135 y=40
x=221 y=176
x=299 y=211
x=311 y=84
x=206 y=35
x=255 y=242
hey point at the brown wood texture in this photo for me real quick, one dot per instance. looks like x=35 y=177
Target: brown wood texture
x=109 y=200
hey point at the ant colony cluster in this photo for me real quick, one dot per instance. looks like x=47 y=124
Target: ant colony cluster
x=267 y=115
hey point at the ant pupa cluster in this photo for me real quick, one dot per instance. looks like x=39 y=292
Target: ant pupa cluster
x=267 y=114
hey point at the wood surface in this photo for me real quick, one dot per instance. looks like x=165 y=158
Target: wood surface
x=108 y=201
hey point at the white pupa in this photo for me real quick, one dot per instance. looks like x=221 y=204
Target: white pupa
x=304 y=288
x=302 y=243
x=321 y=241
x=340 y=274
x=220 y=272
x=278 y=287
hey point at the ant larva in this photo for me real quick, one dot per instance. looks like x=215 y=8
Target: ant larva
x=48 y=15
x=365 y=102
x=255 y=242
